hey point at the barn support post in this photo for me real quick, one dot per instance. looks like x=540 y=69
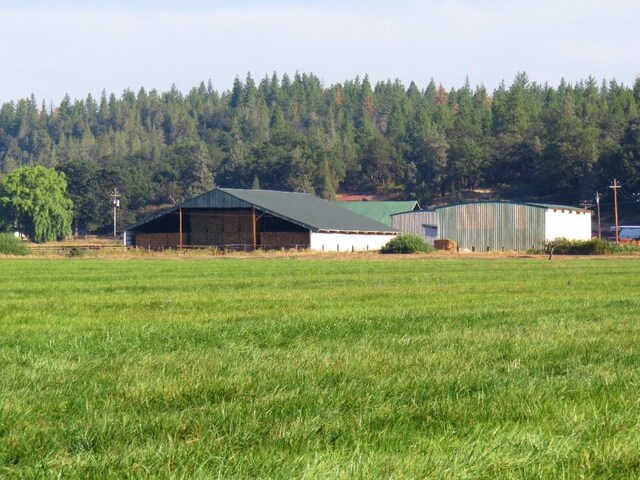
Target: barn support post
x=180 y=228
x=255 y=240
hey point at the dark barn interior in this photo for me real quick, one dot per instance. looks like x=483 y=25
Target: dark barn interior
x=229 y=228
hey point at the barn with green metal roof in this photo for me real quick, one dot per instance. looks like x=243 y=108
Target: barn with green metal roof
x=248 y=219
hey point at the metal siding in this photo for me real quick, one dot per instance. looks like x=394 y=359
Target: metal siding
x=412 y=222
x=496 y=226
x=216 y=199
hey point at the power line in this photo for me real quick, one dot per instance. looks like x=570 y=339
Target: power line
x=626 y=202
x=626 y=195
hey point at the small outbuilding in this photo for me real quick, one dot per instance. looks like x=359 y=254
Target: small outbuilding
x=239 y=219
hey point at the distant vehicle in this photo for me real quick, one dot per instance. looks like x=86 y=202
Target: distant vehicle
x=627 y=231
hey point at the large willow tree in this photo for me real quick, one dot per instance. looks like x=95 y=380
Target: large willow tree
x=34 y=200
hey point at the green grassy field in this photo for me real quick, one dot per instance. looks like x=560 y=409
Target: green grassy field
x=320 y=368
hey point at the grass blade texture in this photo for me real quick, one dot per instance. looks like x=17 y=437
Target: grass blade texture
x=307 y=368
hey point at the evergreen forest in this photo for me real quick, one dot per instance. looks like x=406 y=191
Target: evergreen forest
x=524 y=141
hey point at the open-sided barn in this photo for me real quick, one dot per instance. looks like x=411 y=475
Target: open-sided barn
x=249 y=219
x=498 y=225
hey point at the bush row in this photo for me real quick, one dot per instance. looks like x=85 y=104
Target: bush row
x=595 y=246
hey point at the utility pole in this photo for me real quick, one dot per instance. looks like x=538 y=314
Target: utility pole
x=598 y=204
x=615 y=188
x=115 y=196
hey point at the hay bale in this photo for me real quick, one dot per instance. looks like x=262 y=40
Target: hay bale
x=445 y=244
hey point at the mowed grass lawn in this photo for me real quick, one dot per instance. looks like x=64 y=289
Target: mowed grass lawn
x=426 y=367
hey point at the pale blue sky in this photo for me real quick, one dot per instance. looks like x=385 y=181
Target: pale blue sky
x=52 y=48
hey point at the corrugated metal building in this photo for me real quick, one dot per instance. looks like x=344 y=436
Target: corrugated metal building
x=511 y=226
x=419 y=222
x=380 y=211
x=497 y=225
x=250 y=219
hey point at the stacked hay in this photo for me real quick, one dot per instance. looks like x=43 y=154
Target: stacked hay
x=445 y=244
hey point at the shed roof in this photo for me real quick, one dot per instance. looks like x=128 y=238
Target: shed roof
x=302 y=209
x=527 y=204
x=380 y=211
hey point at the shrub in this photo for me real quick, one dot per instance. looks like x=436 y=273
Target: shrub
x=407 y=243
x=595 y=246
x=75 y=252
x=562 y=246
x=10 y=245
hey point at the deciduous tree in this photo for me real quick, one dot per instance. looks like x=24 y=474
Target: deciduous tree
x=34 y=200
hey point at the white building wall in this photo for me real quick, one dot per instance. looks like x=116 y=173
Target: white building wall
x=569 y=224
x=347 y=242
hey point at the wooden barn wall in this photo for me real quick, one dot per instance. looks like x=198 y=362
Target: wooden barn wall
x=158 y=240
x=285 y=239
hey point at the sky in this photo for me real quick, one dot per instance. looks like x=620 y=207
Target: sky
x=52 y=48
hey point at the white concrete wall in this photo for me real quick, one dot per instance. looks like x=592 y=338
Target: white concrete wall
x=347 y=242
x=568 y=224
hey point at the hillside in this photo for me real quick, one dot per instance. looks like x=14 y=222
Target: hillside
x=523 y=142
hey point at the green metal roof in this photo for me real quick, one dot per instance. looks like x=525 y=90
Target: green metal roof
x=380 y=211
x=307 y=211
x=303 y=209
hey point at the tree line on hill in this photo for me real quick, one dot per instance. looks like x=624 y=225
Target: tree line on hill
x=525 y=141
